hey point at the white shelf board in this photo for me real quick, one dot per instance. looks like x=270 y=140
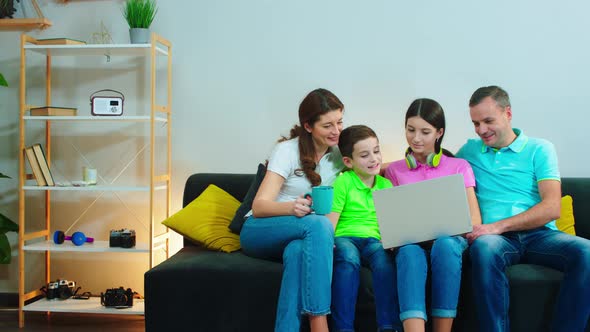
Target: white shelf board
x=94 y=188
x=97 y=246
x=137 y=118
x=90 y=306
x=96 y=49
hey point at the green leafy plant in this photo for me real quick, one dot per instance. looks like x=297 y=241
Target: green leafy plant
x=140 y=13
x=7 y=8
x=6 y=225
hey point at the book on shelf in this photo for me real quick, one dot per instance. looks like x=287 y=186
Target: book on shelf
x=43 y=164
x=35 y=166
x=54 y=111
x=60 y=41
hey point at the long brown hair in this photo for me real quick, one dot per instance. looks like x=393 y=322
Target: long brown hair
x=315 y=104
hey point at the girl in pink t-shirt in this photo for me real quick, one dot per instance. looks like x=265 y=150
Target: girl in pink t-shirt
x=426 y=159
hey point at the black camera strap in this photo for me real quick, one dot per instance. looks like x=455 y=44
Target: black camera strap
x=83 y=296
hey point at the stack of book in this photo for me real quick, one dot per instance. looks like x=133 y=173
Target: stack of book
x=39 y=165
x=53 y=111
x=60 y=41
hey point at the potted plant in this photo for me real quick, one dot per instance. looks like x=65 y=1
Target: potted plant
x=6 y=225
x=139 y=15
x=7 y=8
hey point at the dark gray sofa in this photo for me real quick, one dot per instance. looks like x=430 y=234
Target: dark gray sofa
x=201 y=290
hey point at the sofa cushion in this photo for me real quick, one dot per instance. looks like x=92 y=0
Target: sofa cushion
x=566 y=222
x=578 y=189
x=206 y=218
x=238 y=220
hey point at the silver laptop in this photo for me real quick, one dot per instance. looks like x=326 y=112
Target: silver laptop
x=422 y=211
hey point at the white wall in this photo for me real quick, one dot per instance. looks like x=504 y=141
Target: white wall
x=242 y=67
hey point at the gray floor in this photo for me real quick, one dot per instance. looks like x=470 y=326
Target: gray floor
x=39 y=321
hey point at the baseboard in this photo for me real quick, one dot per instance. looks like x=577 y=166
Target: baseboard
x=8 y=300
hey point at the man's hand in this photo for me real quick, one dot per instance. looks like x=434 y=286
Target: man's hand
x=482 y=229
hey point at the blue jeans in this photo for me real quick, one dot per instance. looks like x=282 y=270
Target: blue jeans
x=492 y=254
x=446 y=261
x=349 y=254
x=306 y=247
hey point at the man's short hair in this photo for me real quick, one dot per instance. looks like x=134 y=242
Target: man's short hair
x=350 y=136
x=499 y=95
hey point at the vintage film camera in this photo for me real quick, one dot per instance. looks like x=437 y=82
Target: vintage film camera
x=117 y=298
x=123 y=238
x=60 y=289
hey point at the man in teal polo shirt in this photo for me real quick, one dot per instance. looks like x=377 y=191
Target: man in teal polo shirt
x=519 y=194
x=357 y=237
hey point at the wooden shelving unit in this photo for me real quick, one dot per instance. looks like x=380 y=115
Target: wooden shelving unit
x=24 y=23
x=41 y=241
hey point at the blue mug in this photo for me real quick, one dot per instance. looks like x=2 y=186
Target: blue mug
x=321 y=197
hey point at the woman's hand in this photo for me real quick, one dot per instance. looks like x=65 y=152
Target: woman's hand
x=301 y=206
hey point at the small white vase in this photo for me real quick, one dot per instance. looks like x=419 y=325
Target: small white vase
x=139 y=36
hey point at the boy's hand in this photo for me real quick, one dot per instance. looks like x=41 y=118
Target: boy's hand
x=301 y=206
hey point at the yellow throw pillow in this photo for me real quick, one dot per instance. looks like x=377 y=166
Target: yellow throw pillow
x=206 y=219
x=566 y=222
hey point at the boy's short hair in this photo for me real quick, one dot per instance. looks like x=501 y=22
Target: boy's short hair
x=351 y=135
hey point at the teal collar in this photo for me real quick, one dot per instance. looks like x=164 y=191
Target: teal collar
x=516 y=146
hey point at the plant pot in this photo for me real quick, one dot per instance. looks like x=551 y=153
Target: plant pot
x=139 y=36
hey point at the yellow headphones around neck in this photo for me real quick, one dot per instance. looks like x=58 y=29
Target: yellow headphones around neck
x=432 y=160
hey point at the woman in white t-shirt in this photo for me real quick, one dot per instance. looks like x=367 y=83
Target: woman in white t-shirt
x=282 y=225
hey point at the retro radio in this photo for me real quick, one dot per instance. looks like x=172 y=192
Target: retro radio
x=106 y=105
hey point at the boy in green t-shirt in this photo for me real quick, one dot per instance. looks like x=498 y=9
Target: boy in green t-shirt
x=357 y=238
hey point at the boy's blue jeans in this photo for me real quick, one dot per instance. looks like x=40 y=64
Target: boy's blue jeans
x=350 y=253
x=446 y=261
x=306 y=247
x=492 y=254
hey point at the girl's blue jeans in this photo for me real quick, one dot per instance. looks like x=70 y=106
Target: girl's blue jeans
x=446 y=261
x=349 y=255
x=306 y=247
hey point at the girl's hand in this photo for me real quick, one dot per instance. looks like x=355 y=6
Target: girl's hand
x=301 y=206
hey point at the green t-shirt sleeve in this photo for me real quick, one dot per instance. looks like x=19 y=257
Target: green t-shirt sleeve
x=340 y=191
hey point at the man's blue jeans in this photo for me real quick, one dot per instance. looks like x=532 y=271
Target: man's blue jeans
x=446 y=261
x=350 y=253
x=306 y=247
x=492 y=254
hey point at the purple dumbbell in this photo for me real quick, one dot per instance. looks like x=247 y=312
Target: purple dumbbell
x=78 y=238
